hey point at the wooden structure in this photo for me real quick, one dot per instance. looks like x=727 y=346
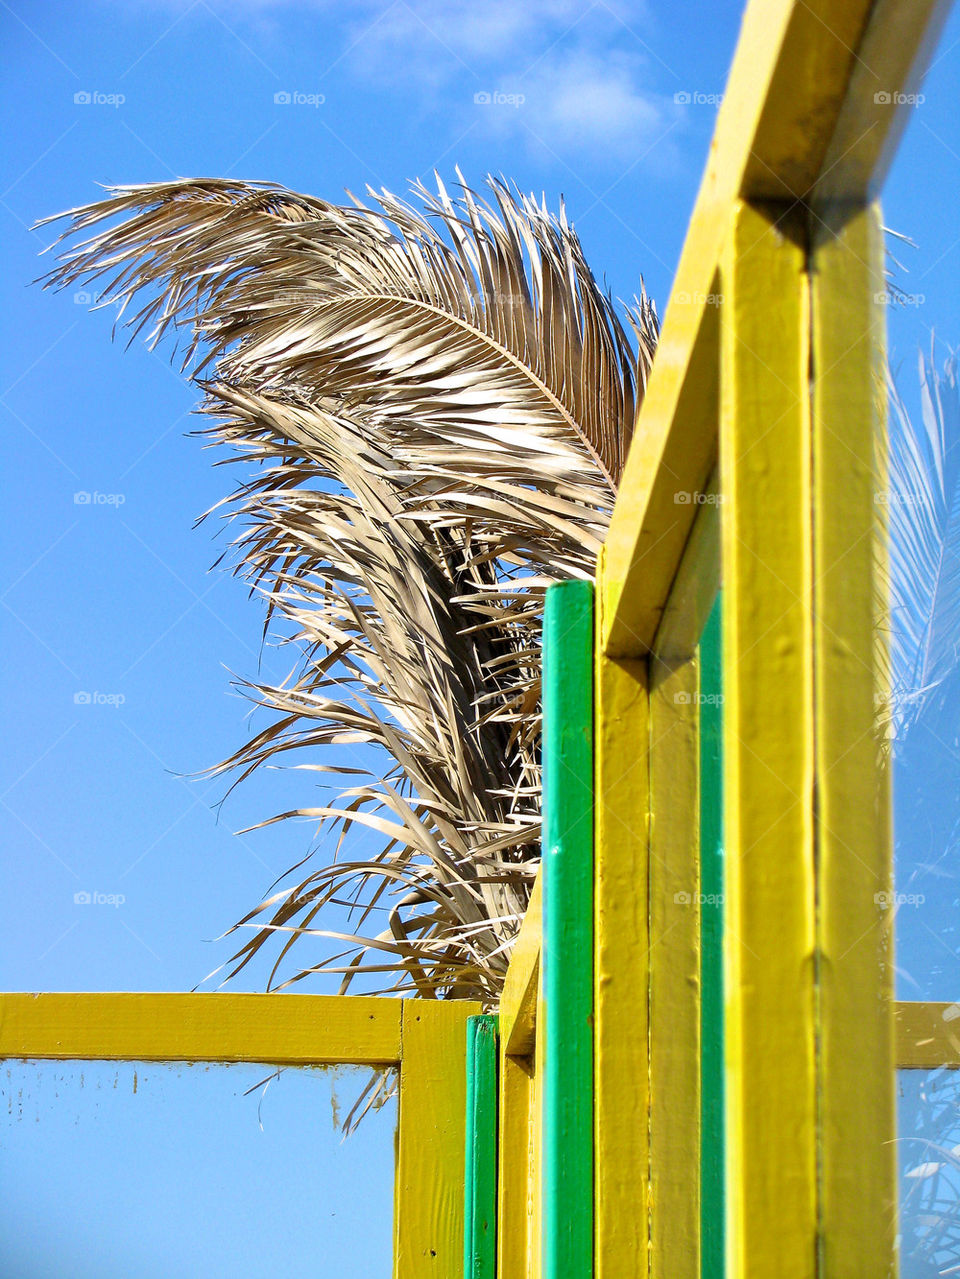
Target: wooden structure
x=692 y=1072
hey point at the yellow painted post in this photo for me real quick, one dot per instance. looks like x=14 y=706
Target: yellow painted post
x=518 y=1248
x=769 y=749
x=431 y=1139
x=513 y=1214
x=854 y=841
x=674 y=972
x=674 y=886
x=621 y=964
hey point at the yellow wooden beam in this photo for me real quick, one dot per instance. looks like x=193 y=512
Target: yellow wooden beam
x=518 y=1239
x=891 y=60
x=431 y=1143
x=277 y=1029
x=515 y=1165
x=674 y=885
x=798 y=118
x=621 y=969
x=927 y=1036
x=518 y=1001
x=770 y=1025
x=854 y=843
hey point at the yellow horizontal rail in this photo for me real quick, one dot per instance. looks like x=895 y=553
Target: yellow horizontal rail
x=278 y=1029
x=927 y=1036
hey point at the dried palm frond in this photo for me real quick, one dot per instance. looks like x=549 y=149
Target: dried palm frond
x=437 y=406
x=923 y=502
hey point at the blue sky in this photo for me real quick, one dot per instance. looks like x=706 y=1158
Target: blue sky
x=114 y=597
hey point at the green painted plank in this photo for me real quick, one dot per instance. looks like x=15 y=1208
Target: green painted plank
x=711 y=950
x=480 y=1201
x=567 y=961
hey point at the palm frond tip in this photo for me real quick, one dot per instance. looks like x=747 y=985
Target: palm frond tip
x=438 y=404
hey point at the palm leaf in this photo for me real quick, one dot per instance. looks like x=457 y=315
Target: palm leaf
x=433 y=408
x=924 y=544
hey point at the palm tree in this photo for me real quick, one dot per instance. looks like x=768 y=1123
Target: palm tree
x=924 y=733
x=434 y=408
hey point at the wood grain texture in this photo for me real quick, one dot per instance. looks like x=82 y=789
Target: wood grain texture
x=674 y=882
x=854 y=837
x=278 y=1029
x=518 y=1002
x=712 y=1163
x=621 y=968
x=431 y=1166
x=565 y=1022
x=514 y=1167
x=769 y=751
x=480 y=1193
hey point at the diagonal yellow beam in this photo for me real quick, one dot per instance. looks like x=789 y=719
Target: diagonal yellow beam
x=799 y=122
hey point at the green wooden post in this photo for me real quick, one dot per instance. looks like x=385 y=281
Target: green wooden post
x=480 y=1202
x=567 y=960
x=711 y=950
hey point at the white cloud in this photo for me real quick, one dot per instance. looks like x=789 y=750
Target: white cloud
x=580 y=99
x=584 y=80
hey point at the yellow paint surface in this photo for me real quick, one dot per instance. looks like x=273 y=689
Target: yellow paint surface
x=431 y=1156
x=621 y=966
x=280 y=1029
x=854 y=840
x=518 y=1001
x=770 y=1032
x=927 y=1035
